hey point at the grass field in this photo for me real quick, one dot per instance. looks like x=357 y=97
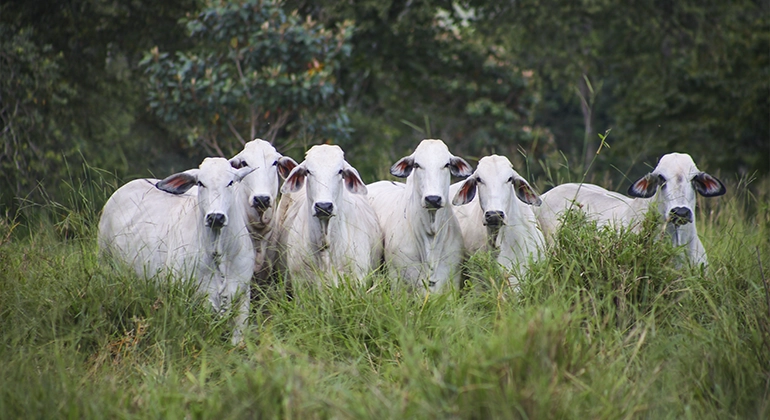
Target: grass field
x=605 y=327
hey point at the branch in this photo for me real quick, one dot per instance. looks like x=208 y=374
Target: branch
x=235 y=132
x=277 y=125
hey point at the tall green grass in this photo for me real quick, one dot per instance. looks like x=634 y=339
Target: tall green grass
x=604 y=327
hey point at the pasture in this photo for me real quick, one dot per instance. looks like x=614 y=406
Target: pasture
x=603 y=327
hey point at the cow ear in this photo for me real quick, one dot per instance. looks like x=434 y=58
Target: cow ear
x=459 y=167
x=285 y=165
x=707 y=185
x=178 y=183
x=466 y=192
x=238 y=163
x=242 y=172
x=353 y=181
x=403 y=167
x=295 y=180
x=525 y=193
x=645 y=187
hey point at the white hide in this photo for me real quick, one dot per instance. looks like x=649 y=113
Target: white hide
x=499 y=217
x=160 y=228
x=327 y=229
x=423 y=242
x=670 y=189
x=258 y=194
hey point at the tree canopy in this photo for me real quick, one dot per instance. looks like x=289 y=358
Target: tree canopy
x=146 y=87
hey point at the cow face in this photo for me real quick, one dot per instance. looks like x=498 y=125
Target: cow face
x=261 y=186
x=496 y=184
x=216 y=181
x=428 y=170
x=326 y=173
x=676 y=179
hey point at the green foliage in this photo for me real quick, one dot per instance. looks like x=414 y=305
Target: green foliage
x=33 y=90
x=253 y=68
x=687 y=76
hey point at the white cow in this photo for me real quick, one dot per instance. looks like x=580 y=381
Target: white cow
x=423 y=242
x=156 y=228
x=327 y=229
x=258 y=194
x=670 y=189
x=499 y=216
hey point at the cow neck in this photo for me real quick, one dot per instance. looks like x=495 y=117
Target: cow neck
x=494 y=238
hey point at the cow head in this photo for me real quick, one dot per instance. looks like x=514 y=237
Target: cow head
x=428 y=171
x=326 y=174
x=496 y=183
x=216 y=181
x=261 y=187
x=676 y=179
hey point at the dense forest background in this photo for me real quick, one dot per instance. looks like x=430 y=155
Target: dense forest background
x=142 y=87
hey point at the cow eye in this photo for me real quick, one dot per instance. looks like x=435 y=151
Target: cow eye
x=510 y=180
x=275 y=163
x=479 y=180
x=230 y=184
x=340 y=172
x=662 y=181
x=200 y=184
x=416 y=166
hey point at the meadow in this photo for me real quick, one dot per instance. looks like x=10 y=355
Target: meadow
x=605 y=327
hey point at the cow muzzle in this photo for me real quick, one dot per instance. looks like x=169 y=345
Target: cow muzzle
x=323 y=210
x=680 y=216
x=433 y=202
x=260 y=202
x=494 y=218
x=216 y=220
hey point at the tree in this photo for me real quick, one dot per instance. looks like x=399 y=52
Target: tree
x=666 y=76
x=253 y=68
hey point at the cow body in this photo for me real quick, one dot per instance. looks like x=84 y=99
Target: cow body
x=161 y=228
x=423 y=242
x=670 y=189
x=258 y=195
x=327 y=229
x=498 y=216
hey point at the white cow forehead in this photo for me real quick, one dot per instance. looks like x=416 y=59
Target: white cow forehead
x=216 y=170
x=324 y=155
x=325 y=151
x=257 y=150
x=432 y=150
x=674 y=164
x=494 y=165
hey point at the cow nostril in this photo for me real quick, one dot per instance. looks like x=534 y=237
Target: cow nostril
x=216 y=220
x=494 y=218
x=433 y=201
x=680 y=215
x=260 y=202
x=323 y=209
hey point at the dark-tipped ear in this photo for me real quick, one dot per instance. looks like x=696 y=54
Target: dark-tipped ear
x=466 y=192
x=353 y=181
x=525 y=193
x=285 y=165
x=178 y=183
x=295 y=180
x=459 y=167
x=707 y=185
x=645 y=187
x=403 y=167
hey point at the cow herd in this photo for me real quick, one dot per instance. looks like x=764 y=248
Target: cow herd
x=222 y=225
